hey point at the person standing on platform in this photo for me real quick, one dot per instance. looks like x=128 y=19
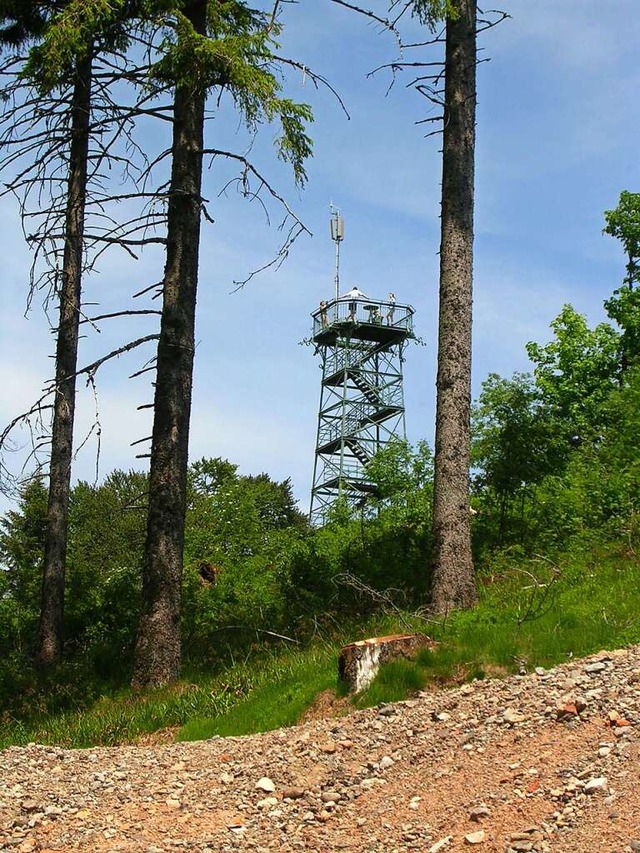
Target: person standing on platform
x=392 y=307
x=353 y=295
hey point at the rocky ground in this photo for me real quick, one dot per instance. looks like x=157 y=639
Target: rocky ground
x=546 y=761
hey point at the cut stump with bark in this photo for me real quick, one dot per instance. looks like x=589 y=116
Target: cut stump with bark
x=359 y=662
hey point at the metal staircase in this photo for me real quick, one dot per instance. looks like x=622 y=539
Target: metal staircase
x=361 y=398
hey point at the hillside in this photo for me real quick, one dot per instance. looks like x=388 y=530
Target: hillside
x=541 y=762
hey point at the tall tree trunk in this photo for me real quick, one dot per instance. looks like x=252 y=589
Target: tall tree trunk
x=158 y=646
x=50 y=630
x=453 y=581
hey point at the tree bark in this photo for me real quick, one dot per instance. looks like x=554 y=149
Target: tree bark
x=453 y=579
x=158 y=646
x=51 y=626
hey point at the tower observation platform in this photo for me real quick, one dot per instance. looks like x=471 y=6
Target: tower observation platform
x=360 y=342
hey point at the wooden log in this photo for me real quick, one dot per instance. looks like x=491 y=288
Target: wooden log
x=359 y=662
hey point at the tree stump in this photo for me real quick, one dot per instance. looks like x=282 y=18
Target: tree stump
x=358 y=662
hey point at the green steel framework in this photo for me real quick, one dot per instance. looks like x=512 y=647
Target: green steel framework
x=361 y=344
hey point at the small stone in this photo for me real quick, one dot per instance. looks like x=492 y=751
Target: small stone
x=267 y=803
x=331 y=797
x=598 y=666
x=328 y=747
x=386 y=762
x=293 y=793
x=512 y=716
x=440 y=845
x=635 y=846
x=478 y=813
x=265 y=784
x=598 y=784
x=567 y=710
x=475 y=837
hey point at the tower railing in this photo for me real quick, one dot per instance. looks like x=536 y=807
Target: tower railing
x=370 y=312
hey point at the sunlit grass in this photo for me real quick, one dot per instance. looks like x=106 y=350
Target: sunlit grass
x=532 y=614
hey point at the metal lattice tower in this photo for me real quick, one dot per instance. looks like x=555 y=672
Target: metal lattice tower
x=360 y=342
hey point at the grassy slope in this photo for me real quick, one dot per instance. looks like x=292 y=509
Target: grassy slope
x=536 y=614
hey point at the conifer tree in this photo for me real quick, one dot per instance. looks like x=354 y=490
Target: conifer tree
x=225 y=47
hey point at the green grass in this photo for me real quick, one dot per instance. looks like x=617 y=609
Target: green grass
x=532 y=613
x=395 y=681
x=280 y=696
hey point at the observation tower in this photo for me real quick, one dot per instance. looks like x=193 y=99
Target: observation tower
x=360 y=341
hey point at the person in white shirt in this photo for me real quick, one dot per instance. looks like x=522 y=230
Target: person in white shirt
x=352 y=295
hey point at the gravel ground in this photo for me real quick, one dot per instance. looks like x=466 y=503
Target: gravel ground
x=546 y=761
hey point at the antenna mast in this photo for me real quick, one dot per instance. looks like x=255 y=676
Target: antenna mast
x=337 y=235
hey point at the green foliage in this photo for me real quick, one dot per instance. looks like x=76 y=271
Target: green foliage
x=20 y=22
x=431 y=12
x=237 y=56
x=623 y=223
x=624 y=308
x=577 y=371
x=531 y=613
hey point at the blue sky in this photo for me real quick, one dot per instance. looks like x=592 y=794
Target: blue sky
x=558 y=125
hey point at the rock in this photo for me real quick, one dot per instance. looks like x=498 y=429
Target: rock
x=512 y=716
x=330 y=797
x=442 y=717
x=386 y=762
x=566 y=711
x=267 y=803
x=475 y=837
x=293 y=793
x=478 y=813
x=265 y=784
x=598 y=666
x=440 y=845
x=593 y=785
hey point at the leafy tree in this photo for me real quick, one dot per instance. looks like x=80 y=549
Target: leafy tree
x=517 y=442
x=624 y=306
x=22 y=533
x=209 y=45
x=623 y=223
x=576 y=372
x=106 y=538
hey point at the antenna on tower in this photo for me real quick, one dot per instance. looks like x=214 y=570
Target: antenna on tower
x=337 y=235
